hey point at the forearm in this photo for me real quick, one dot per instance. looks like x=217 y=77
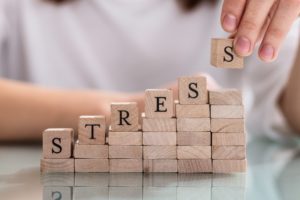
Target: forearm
x=26 y=110
x=290 y=101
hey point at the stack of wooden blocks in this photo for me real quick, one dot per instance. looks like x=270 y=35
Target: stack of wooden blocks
x=202 y=132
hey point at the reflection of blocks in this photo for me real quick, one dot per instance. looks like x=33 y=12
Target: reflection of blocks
x=222 y=54
x=201 y=133
x=50 y=193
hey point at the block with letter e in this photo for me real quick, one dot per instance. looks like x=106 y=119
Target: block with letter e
x=223 y=56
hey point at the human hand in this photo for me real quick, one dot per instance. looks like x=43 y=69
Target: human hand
x=259 y=21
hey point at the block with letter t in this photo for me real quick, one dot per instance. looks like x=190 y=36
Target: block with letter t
x=91 y=129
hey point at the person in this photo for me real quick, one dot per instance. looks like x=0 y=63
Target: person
x=63 y=58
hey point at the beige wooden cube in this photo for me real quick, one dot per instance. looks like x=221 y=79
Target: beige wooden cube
x=57 y=165
x=91 y=129
x=159 y=124
x=159 y=138
x=223 y=55
x=194 y=152
x=126 y=165
x=125 y=138
x=159 y=103
x=193 y=138
x=195 y=166
x=225 y=139
x=225 y=97
x=58 y=143
x=193 y=90
x=91 y=165
x=192 y=111
x=229 y=166
x=228 y=152
x=130 y=152
x=227 y=111
x=160 y=166
x=124 y=117
x=90 y=151
x=193 y=124
x=228 y=125
x=159 y=152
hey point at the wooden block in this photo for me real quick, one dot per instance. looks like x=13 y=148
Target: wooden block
x=159 y=152
x=227 y=111
x=225 y=97
x=124 y=117
x=125 y=138
x=160 y=166
x=91 y=165
x=193 y=138
x=159 y=103
x=194 y=152
x=57 y=165
x=126 y=165
x=227 y=125
x=90 y=151
x=193 y=90
x=91 y=129
x=225 y=139
x=192 y=111
x=55 y=192
x=228 y=152
x=159 y=124
x=223 y=56
x=134 y=152
x=195 y=166
x=159 y=138
x=229 y=166
x=58 y=143
x=193 y=124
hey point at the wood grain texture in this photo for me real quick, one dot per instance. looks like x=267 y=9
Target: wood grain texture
x=91 y=165
x=229 y=166
x=195 y=166
x=126 y=165
x=159 y=138
x=124 y=117
x=160 y=166
x=227 y=111
x=133 y=152
x=57 y=165
x=192 y=111
x=223 y=56
x=193 y=90
x=85 y=129
x=58 y=143
x=227 y=125
x=193 y=124
x=159 y=108
x=225 y=97
x=228 y=152
x=194 y=138
x=125 y=138
x=159 y=125
x=90 y=151
x=159 y=152
x=194 y=152
x=225 y=139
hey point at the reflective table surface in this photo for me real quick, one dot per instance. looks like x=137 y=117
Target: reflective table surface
x=273 y=174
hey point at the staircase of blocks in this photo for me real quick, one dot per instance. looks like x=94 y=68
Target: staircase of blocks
x=201 y=132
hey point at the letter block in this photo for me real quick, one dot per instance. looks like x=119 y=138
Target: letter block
x=91 y=130
x=124 y=117
x=159 y=103
x=222 y=54
x=193 y=90
x=58 y=143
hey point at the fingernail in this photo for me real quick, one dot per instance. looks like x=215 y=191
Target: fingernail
x=242 y=46
x=229 y=22
x=267 y=52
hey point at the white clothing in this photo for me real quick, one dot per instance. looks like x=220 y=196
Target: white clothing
x=132 y=45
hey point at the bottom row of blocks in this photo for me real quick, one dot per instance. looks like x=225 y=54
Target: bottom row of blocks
x=138 y=165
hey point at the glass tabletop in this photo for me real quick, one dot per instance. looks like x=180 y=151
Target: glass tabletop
x=273 y=173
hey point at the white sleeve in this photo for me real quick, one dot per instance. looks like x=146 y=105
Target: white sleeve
x=3 y=36
x=265 y=83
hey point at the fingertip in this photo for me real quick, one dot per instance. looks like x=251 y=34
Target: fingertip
x=229 y=23
x=267 y=53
